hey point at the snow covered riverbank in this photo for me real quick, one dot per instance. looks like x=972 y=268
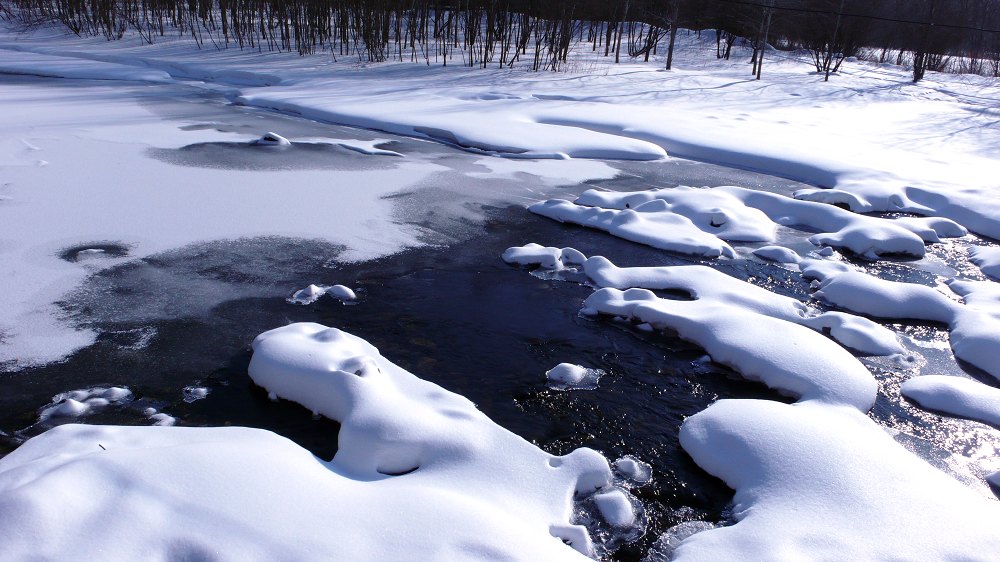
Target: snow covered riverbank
x=106 y=165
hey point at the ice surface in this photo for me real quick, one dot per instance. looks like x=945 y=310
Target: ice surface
x=957 y=396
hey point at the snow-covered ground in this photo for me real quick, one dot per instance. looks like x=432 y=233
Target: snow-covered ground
x=82 y=191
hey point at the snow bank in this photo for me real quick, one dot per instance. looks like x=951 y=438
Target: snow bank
x=988 y=260
x=957 y=396
x=819 y=482
x=651 y=224
x=783 y=355
x=713 y=211
x=420 y=473
x=697 y=221
x=974 y=328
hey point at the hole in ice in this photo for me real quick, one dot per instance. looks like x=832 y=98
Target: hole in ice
x=97 y=250
x=404 y=472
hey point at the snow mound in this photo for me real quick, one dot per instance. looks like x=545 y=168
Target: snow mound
x=665 y=545
x=651 y=224
x=785 y=356
x=548 y=258
x=861 y=234
x=974 y=328
x=77 y=403
x=988 y=260
x=272 y=139
x=420 y=474
x=634 y=470
x=712 y=211
x=194 y=393
x=777 y=254
x=705 y=283
x=956 y=396
x=697 y=221
x=798 y=469
x=313 y=293
x=567 y=376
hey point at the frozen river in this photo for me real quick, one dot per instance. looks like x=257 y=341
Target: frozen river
x=174 y=326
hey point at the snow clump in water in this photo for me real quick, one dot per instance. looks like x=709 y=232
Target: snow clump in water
x=313 y=293
x=567 y=376
x=76 y=403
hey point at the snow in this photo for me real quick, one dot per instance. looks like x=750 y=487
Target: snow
x=808 y=466
x=778 y=254
x=78 y=403
x=272 y=139
x=457 y=486
x=696 y=221
x=634 y=470
x=974 y=327
x=650 y=224
x=545 y=257
x=454 y=484
x=957 y=396
x=988 y=260
x=567 y=376
x=313 y=293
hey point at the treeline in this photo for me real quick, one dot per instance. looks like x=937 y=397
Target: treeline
x=959 y=35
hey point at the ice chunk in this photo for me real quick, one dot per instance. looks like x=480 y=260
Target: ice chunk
x=76 y=403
